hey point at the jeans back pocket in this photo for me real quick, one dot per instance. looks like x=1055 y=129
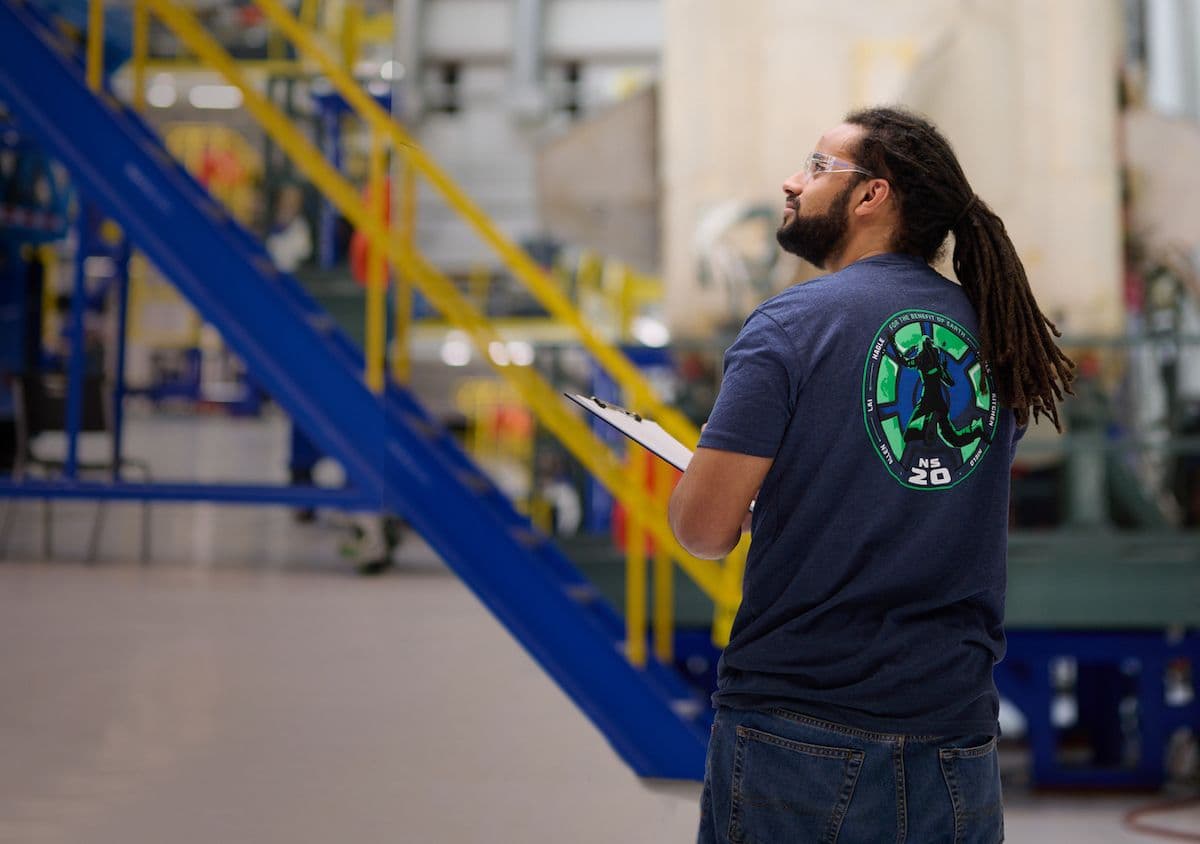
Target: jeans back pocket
x=973 y=776
x=786 y=790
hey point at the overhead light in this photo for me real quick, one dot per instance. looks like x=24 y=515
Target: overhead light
x=498 y=352
x=456 y=349
x=215 y=96
x=520 y=352
x=650 y=332
x=378 y=88
x=161 y=93
x=391 y=70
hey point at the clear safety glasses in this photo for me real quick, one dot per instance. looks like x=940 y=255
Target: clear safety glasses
x=821 y=162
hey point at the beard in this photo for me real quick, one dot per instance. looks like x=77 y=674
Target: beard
x=817 y=238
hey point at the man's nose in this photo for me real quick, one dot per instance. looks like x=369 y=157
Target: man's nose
x=794 y=184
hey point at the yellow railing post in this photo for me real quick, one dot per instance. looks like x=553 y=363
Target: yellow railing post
x=541 y=514
x=276 y=48
x=627 y=303
x=635 y=565
x=479 y=280
x=376 y=326
x=141 y=39
x=406 y=226
x=664 y=574
x=351 y=20
x=588 y=275
x=95 y=44
x=308 y=13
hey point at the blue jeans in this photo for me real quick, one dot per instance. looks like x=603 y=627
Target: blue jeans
x=778 y=776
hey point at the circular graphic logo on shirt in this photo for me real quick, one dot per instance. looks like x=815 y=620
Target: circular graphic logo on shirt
x=928 y=400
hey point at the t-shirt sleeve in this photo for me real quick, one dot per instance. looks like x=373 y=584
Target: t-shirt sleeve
x=1018 y=433
x=757 y=396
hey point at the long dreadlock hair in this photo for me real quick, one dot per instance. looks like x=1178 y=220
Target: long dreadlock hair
x=935 y=199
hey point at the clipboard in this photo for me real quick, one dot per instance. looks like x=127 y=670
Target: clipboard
x=646 y=433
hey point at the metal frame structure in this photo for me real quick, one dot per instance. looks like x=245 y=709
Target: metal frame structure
x=396 y=457
x=1138 y=659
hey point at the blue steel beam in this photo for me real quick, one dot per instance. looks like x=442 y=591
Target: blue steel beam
x=292 y=496
x=118 y=390
x=75 y=363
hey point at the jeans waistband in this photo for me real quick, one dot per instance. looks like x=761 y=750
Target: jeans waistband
x=855 y=732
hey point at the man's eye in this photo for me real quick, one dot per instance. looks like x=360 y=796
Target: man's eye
x=819 y=165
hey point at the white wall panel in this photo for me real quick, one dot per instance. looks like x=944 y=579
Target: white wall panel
x=468 y=30
x=597 y=28
x=1024 y=90
x=482 y=30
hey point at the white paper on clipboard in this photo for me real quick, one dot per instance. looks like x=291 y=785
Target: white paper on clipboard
x=642 y=431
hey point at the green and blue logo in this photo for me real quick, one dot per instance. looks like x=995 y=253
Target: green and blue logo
x=928 y=399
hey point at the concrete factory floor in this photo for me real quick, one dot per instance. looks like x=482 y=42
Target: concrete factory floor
x=246 y=686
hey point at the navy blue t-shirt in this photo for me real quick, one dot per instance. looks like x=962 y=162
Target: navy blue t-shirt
x=874 y=586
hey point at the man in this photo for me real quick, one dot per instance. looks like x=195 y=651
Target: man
x=855 y=700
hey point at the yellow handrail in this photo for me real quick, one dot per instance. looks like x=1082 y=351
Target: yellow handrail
x=95 y=45
x=286 y=68
x=640 y=394
x=569 y=429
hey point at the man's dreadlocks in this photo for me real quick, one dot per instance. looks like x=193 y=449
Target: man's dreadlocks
x=935 y=199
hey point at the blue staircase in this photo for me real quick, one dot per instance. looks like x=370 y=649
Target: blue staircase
x=392 y=451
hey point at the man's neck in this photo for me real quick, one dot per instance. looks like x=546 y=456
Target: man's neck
x=843 y=261
x=866 y=245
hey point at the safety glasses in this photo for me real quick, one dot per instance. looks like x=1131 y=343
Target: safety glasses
x=821 y=162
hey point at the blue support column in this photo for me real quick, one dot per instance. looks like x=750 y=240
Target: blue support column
x=76 y=362
x=118 y=389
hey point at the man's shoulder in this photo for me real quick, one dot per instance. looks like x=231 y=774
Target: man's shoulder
x=820 y=295
x=863 y=286
x=806 y=294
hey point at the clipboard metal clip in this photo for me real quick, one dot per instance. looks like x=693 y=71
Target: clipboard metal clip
x=618 y=408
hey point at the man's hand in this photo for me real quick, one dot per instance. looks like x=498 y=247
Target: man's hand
x=710 y=506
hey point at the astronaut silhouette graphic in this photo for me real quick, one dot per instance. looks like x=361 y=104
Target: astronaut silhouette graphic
x=929 y=405
x=931 y=416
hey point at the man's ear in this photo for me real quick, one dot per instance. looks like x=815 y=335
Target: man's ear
x=876 y=195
